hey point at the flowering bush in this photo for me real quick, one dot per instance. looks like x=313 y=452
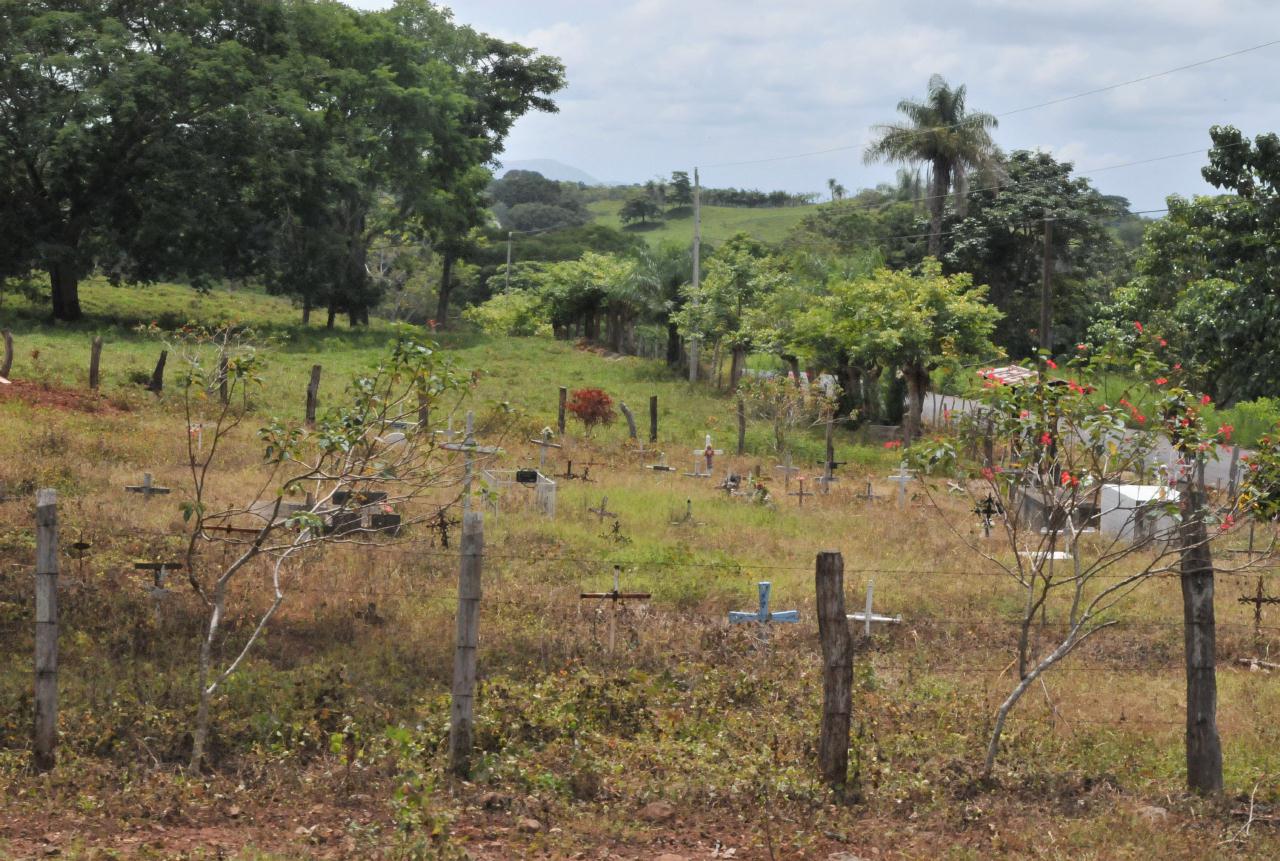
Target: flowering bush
x=591 y=407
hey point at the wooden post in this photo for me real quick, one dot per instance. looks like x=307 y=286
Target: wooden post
x=157 y=376
x=564 y=397
x=95 y=362
x=7 y=364
x=1204 y=747
x=46 y=628
x=1046 y=291
x=837 y=670
x=464 y=660
x=653 y=418
x=1233 y=479
x=224 y=392
x=313 y=395
x=630 y=417
x=742 y=428
x=829 y=469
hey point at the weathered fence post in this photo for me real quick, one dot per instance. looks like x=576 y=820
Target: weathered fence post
x=1204 y=746
x=7 y=364
x=653 y=418
x=564 y=397
x=837 y=670
x=95 y=362
x=1233 y=480
x=313 y=395
x=223 y=383
x=157 y=376
x=630 y=417
x=742 y=427
x=464 y=661
x=46 y=628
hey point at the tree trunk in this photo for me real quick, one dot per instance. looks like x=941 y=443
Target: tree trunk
x=64 y=286
x=200 y=737
x=917 y=382
x=591 y=325
x=793 y=365
x=446 y=288
x=737 y=365
x=1204 y=748
x=871 y=394
x=333 y=314
x=615 y=331
x=937 y=202
x=306 y=311
x=674 y=350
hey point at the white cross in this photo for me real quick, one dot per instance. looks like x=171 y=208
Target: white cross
x=707 y=453
x=787 y=471
x=903 y=478
x=867 y=617
x=544 y=443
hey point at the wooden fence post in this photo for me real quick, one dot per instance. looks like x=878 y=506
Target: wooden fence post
x=630 y=417
x=46 y=722
x=837 y=670
x=564 y=397
x=7 y=364
x=742 y=428
x=1203 y=744
x=223 y=383
x=313 y=395
x=95 y=362
x=461 y=711
x=653 y=418
x=157 y=376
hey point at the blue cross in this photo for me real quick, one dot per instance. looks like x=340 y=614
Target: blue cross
x=763 y=615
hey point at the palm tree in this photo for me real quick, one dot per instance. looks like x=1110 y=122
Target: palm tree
x=939 y=133
x=831 y=187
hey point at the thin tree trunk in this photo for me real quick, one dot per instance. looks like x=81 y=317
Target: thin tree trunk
x=917 y=382
x=306 y=311
x=200 y=737
x=615 y=331
x=737 y=365
x=1204 y=747
x=333 y=314
x=446 y=289
x=937 y=203
x=674 y=351
x=64 y=286
x=871 y=394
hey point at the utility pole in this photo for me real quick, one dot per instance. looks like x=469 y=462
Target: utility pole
x=1046 y=290
x=508 y=287
x=697 y=268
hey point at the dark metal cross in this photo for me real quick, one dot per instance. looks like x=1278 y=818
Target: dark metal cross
x=987 y=509
x=800 y=493
x=1257 y=600
x=147 y=488
x=603 y=511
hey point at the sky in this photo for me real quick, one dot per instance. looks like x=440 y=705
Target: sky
x=662 y=85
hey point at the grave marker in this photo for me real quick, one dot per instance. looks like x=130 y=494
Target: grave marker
x=6 y=364
x=707 y=454
x=614 y=597
x=313 y=395
x=986 y=510
x=630 y=417
x=46 y=657
x=95 y=360
x=763 y=615
x=603 y=511
x=147 y=488
x=1258 y=599
x=543 y=444
x=156 y=386
x=687 y=518
x=158 y=571
x=902 y=477
x=867 y=616
x=472 y=448
x=653 y=418
x=800 y=494
x=837 y=670
x=787 y=471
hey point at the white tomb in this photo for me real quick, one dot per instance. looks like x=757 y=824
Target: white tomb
x=1136 y=511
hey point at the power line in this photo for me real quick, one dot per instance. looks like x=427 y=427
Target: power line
x=1012 y=112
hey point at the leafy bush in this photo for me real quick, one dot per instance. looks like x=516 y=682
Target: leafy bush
x=591 y=407
x=515 y=313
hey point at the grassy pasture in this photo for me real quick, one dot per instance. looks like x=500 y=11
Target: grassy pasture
x=769 y=224
x=330 y=741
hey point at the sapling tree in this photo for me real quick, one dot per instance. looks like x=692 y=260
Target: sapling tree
x=786 y=405
x=1063 y=539
x=369 y=443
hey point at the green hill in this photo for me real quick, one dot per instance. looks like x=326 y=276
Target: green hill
x=718 y=222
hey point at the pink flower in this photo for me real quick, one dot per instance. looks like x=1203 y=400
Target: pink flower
x=1160 y=381
x=1226 y=431
x=1137 y=325
x=1081 y=347
x=1206 y=400
x=1163 y=342
x=1051 y=363
x=987 y=473
x=1045 y=438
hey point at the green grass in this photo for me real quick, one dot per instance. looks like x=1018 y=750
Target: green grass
x=719 y=223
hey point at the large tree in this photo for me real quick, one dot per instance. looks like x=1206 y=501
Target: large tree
x=126 y=132
x=1000 y=241
x=943 y=135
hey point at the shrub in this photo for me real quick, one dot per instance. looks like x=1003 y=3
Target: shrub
x=515 y=313
x=591 y=407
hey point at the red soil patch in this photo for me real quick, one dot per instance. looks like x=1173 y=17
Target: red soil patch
x=54 y=397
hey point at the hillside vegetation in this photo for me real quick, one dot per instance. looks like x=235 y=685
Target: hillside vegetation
x=719 y=223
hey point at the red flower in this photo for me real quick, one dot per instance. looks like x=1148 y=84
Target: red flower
x=1051 y=363
x=1081 y=347
x=893 y=443
x=1227 y=522
x=1178 y=366
x=1206 y=400
x=987 y=473
x=1068 y=480
x=1163 y=342
x=1160 y=381
x=1226 y=431
x=1137 y=325
x=1024 y=414
x=1045 y=438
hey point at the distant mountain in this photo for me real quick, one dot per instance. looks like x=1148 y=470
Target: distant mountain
x=551 y=169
